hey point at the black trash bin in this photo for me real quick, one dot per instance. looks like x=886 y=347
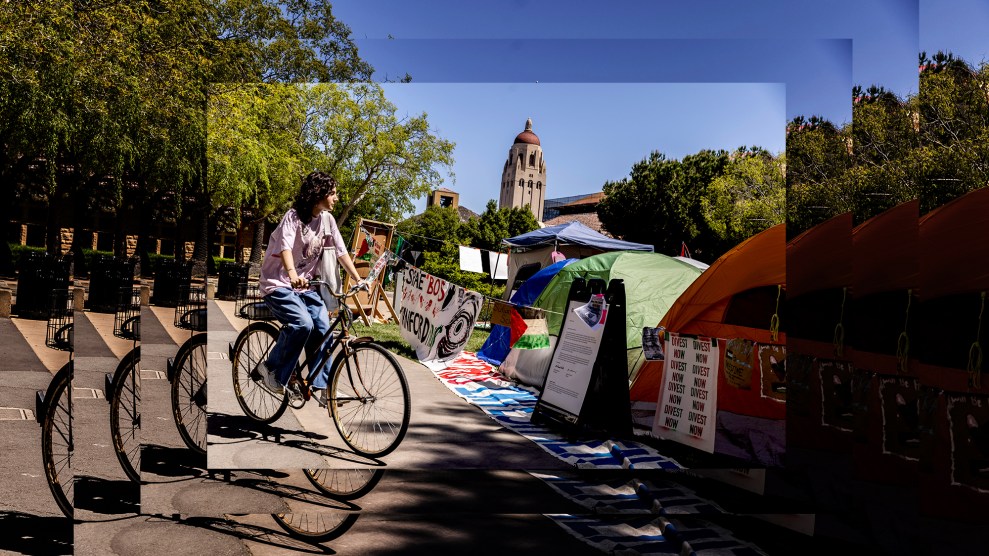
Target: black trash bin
x=107 y=276
x=170 y=275
x=38 y=275
x=231 y=276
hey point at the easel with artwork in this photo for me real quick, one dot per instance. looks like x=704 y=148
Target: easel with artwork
x=371 y=240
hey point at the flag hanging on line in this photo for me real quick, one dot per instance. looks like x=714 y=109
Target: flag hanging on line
x=528 y=333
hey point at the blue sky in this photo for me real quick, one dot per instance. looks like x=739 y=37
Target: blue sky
x=817 y=49
x=590 y=132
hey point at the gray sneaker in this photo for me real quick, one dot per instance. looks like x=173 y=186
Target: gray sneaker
x=269 y=381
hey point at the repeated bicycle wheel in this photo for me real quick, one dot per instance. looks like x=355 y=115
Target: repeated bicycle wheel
x=316 y=526
x=189 y=393
x=252 y=346
x=344 y=484
x=56 y=438
x=370 y=400
x=125 y=414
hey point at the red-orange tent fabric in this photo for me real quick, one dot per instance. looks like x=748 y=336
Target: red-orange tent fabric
x=756 y=262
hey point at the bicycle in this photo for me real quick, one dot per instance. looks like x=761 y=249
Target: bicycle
x=53 y=407
x=187 y=370
x=367 y=395
x=123 y=387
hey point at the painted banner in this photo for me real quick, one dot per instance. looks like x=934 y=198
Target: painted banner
x=688 y=397
x=772 y=368
x=436 y=317
x=968 y=423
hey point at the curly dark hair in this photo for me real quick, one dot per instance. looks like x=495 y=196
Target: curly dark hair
x=315 y=187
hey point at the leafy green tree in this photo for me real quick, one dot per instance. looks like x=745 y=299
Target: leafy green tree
x=660 y=203
x=494 y=225
x=381 y=161
x=748 y=198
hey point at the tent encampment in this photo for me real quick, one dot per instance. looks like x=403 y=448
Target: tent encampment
x=496 y=347
x=652 y=283
x=735 y=299
x=533 y=251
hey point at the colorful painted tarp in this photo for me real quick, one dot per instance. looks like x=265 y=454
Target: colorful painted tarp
x=436 y=317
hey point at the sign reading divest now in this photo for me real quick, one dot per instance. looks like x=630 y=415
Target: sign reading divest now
x=688 y=398
x=436 y=317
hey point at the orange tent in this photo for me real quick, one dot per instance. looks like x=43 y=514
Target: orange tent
x=752 y=273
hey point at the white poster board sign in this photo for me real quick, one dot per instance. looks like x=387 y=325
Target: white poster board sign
x=688 y=398
x=569 y=372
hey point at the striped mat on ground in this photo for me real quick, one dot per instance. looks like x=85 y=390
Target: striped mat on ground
x=511 y=405
x=655 y=535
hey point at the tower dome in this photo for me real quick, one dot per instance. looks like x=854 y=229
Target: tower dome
x=527 y=136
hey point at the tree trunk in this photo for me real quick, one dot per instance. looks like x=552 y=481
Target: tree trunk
x=257 y=248
x=200 y=252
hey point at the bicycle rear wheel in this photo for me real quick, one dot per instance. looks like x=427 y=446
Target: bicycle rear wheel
x=316 y=526
x=344 y=484
x=56 y=439
x=253 y=346
x=189 y=393
x=125 y=414
x=370 y=402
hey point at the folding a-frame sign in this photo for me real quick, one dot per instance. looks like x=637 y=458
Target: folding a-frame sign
x=378 y=237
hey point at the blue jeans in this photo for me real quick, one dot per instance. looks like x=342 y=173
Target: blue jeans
x=304 y=322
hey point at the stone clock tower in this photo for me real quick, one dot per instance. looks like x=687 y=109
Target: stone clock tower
x=523 y=180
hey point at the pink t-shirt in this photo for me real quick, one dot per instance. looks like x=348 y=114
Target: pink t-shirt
x=305 y=240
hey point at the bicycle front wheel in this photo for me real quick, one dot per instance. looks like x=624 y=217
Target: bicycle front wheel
x=251 y=348
x=319 y=527
x=370 y=402
x=56 y=439
x=344 y=484
x=189 y=393
x=125 y=414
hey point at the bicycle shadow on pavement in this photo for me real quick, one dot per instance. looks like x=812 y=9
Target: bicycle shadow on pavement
x=259 y=534
x=165 y=461
x=239 y=427
x=32 y=534
x=103 y=497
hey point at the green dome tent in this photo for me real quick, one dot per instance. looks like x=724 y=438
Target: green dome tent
x=652 y=283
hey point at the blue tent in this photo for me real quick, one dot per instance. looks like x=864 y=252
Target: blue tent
x=497 y=345
x=574 y=233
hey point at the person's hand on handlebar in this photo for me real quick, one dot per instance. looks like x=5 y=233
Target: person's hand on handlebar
x=360 y=285
x=298 y=282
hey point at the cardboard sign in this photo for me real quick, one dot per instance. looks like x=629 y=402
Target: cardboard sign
x=738 y=363
x=501 y=313
x=688 y=398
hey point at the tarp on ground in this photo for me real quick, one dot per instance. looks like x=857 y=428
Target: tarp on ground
x=496 y=347
x=734 y=301
x=652 y=283
x=573 y=240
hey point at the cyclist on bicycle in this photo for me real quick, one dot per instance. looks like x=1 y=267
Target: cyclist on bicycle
x=290 y=261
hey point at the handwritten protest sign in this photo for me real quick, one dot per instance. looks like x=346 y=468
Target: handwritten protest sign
x=436 y=317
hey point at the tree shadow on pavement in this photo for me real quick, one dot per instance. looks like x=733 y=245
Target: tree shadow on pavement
x=32 y=534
